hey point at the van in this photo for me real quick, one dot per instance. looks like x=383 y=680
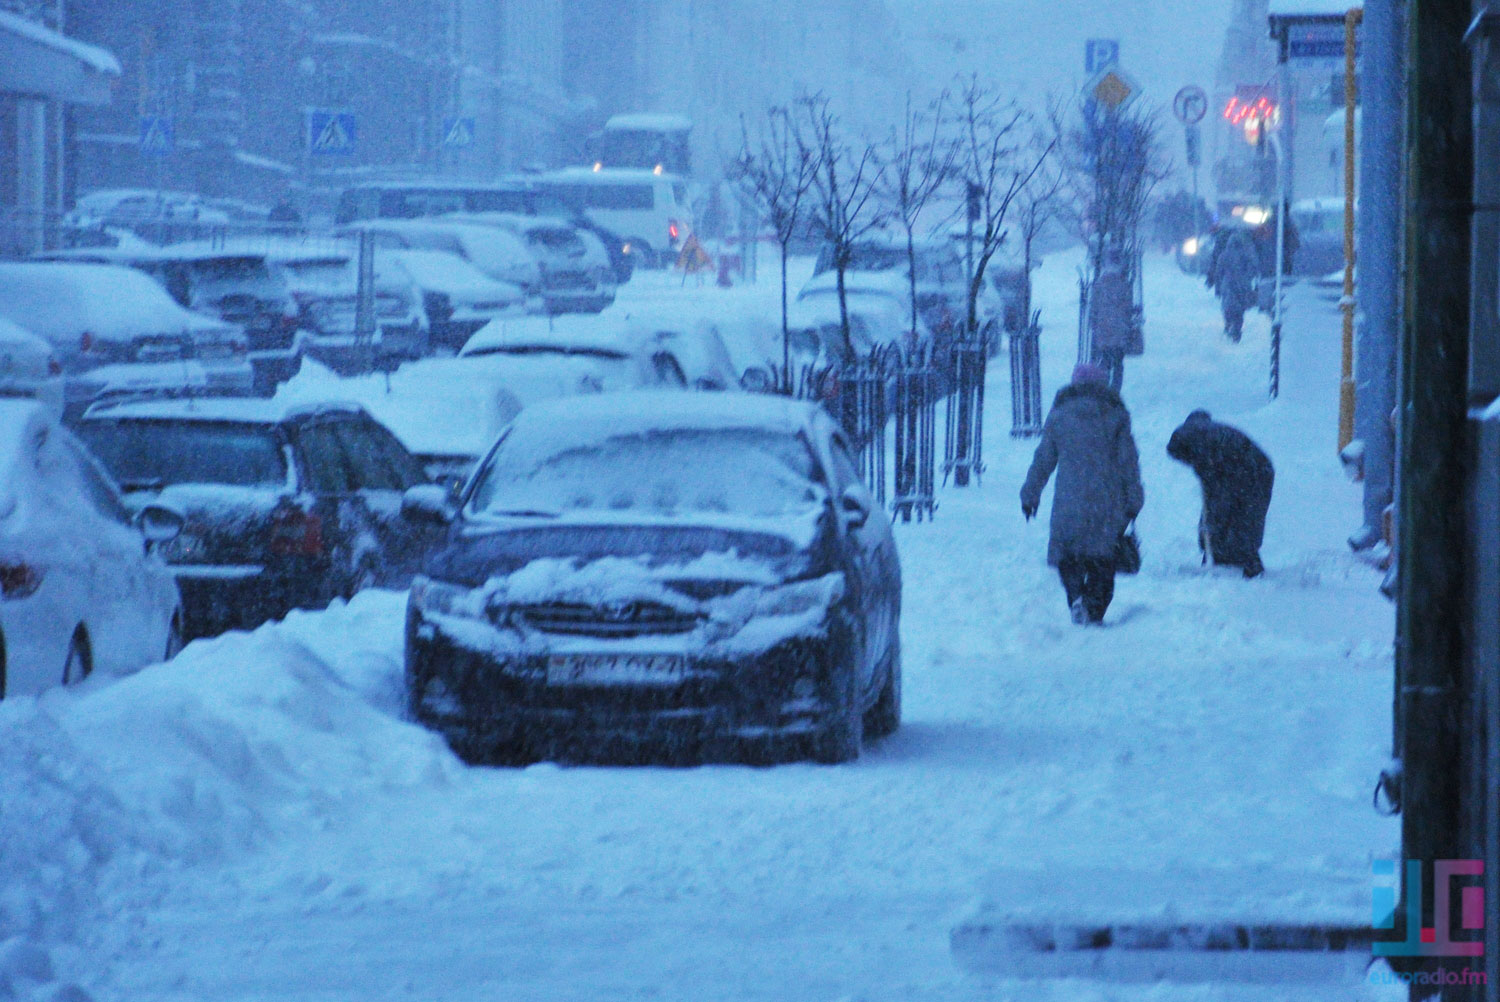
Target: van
x=648 y=209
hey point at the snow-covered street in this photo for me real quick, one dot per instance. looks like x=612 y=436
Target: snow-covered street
x=256 y=821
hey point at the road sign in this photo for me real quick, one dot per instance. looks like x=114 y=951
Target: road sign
x=1315 y=41
x=1112 y=89
x=158 y=135
x=1190 y=105
x=1100 y=53
x=331 y=133
x=458 y=133
x=1194 y=144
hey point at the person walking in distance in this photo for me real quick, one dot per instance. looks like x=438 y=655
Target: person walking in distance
x=1232 y=273
x=1112 y=320
x=1087 y=440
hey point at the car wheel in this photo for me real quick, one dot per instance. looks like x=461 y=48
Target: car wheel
x=80 y=662
x=884 y=717
x=843 y=730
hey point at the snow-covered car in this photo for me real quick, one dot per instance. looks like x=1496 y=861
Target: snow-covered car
x=606 y=352
x=323 y=280
x=285 y=508
x=457 y=298
x=112 y=326
x=693 y=343
x=878 y=318
x=576 y=273
x=29 y=367
x=880 y=264
x=703 y=571
x=82 y=587
x=234 y=283
x=499 y=254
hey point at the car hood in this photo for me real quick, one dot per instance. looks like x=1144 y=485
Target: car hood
x=688 y=554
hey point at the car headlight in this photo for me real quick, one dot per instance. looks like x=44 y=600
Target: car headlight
x=438 y=598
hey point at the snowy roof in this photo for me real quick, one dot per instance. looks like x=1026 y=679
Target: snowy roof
x=97 y=59
x=647 y=122
x=242 y=410
x=572 y=333
x=64 y=300
x=595 y=417
x=1316 y=8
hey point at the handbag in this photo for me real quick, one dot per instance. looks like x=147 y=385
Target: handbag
x=1128 y=551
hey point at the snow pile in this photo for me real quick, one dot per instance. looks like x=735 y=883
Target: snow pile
x=186 y=763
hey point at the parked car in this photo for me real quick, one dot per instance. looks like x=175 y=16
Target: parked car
x=82 y=586
x=285 y=507
x=702 y=570
x=649 y=210
x=234 y=283
x=880 y=264
x=424 y=199
x=879 y=317
x=500 y=255
x=324 y=283
x=29 y=368
x=113 y=327
x=457 y=298
x=576 y=275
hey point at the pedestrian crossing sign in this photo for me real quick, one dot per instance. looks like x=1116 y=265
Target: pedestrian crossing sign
x=331 y=133
x=158 y=136
x=458 y=133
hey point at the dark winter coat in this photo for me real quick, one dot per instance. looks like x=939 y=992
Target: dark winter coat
x=1233 y=268
x=1237 y=478
x=1112 y=314
x=1087 y=440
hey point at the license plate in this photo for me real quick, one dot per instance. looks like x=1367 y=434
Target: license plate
x=616 y=669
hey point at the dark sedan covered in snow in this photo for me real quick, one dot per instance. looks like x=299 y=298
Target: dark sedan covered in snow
x=286 y=507
x=634 y=572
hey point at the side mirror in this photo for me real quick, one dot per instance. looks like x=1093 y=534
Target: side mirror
x=159 y=524
x=429 y=503
x=854 y=507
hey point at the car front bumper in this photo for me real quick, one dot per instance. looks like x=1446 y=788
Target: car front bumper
x=481 y=700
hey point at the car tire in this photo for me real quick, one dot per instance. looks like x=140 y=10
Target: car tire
x=843 y=730
x=884 y=718
x=80 y=661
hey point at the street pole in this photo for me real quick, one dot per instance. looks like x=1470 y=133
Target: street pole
x=1276 y=304
x=1346 y=379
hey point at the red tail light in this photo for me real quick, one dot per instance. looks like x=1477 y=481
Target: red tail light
x=673 y=230
x=19 y=580
x=296 y=533
x=86 y=342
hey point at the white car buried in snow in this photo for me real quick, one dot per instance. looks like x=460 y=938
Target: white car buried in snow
x=80 y=590
x=701 y=574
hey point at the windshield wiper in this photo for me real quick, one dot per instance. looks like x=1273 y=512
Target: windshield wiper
x=142 y=484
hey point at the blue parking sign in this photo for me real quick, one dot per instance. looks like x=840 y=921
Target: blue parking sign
x=1100 y=53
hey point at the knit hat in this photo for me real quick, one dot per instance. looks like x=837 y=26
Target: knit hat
x=1087 y=372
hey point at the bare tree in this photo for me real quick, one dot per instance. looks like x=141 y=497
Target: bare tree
x=996 y=164
x=845 y=183
x=918 y=165
x=776 y=169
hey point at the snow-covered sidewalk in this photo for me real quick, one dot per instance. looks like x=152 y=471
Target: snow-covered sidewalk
x=255 y=821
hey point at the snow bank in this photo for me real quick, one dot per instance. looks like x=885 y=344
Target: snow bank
x=220 y=750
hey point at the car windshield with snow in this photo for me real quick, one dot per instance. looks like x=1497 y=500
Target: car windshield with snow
x=660 y=574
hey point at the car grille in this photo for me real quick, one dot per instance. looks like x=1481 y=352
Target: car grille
x=568 y=280
x=627 y=619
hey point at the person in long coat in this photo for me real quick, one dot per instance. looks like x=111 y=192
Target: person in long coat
x=1112 y=320
x=1232 y=272
x=1237 y=478
x=1087 y=440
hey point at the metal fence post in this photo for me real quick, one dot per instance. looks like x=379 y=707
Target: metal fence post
x=1026 y=380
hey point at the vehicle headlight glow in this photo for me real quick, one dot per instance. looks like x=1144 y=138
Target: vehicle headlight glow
x=1255 y=215
x=1190 y=246
x=437 y=598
